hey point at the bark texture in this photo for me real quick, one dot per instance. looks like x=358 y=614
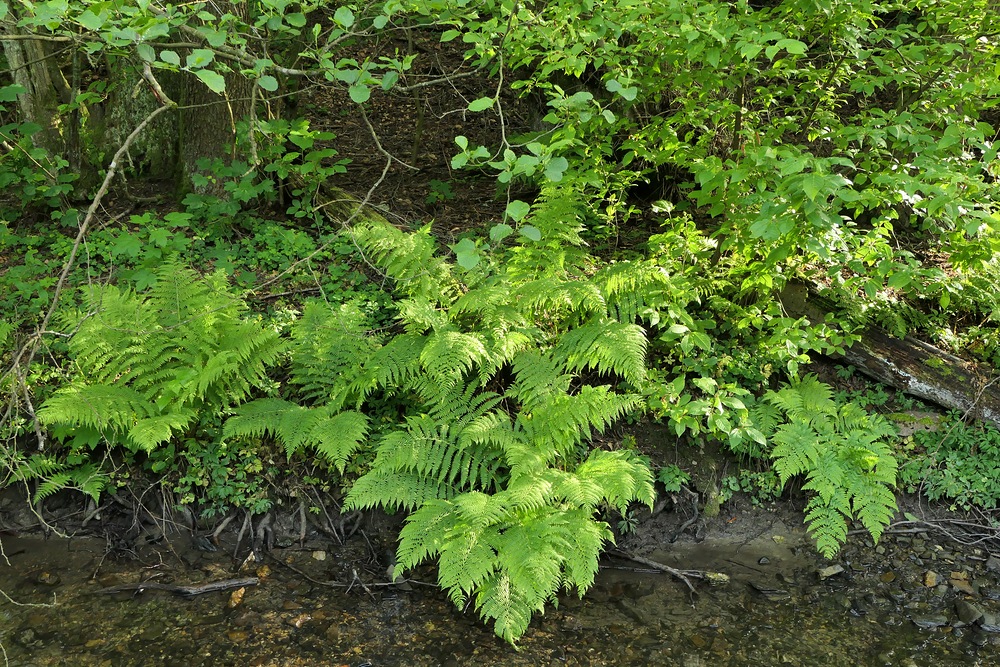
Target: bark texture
x=911 y=365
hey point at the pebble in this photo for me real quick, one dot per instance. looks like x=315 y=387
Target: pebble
x=887 y=577
x=931 y=578
x=827 y=572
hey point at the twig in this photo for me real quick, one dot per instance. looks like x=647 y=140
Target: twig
x=184 y=591
x=684 y=575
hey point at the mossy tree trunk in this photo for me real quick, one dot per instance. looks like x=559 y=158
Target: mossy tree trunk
x=32 y=65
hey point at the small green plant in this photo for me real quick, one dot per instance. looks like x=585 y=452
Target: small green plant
x=440 y=192
x=844 y=454
x=955 y=462
x=672 y=478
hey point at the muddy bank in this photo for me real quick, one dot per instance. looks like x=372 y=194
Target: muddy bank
x=913 y=600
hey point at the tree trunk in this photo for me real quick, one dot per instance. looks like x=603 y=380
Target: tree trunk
x=31 y=66
x=910 y=365
x=208 y=119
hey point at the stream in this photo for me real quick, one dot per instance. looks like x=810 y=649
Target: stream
x=912 y=601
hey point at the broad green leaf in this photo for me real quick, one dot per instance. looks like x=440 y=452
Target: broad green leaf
x=389 y=79
x=146 y=52
x=555 y=168
x=344 y=16
x=199 y=58
x=793 y=46
x=813 y=185
x=268 y=83
x=482 y=104
x=530 y=232
x=3 y=10
x=10 y=93
x=380 y=22
x=500 y=232
x=90 y=20
x=450 y=35
x=517 y=209
x=170 y=57
x=296 y=20
x=212 y=79
x=359 y=93
x=466 y=253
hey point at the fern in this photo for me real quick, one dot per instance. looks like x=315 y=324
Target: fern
x=54 y=476
x=842 y=451
x=151 y=367
x=336 y=436
x=490 y=455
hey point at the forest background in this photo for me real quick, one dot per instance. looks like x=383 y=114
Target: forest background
x=425 y=256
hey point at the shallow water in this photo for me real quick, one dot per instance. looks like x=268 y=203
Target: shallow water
x=776 y=611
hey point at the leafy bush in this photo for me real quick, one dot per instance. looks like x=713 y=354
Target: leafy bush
x=955 y=461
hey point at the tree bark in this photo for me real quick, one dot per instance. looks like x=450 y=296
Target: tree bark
x=910 y=365
x=208 y=119
x=31 y=67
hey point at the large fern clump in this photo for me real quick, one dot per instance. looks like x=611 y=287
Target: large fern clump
x=487 y=393
x=844 y=453
x=149 y=366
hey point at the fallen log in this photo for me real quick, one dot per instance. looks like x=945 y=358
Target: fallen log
x=910 y=365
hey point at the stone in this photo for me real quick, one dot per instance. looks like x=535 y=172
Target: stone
x=931 y=578
x=960 y=582
x=993 y=564
x=989 y=623
x=887 y=577
x=968 y=613
x=827 y=572
x=930 y=621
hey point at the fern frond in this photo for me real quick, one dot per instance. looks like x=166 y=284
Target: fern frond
x=621 y=478
x=335 y=436
x=499 y=599
x=448 y=355
x=391 y=366
x=394 y=491
x=340 y=436
x=629 y=288
x=551 y=296
x=419 y=314
x=329 y=348
x=425 y=531
x=559 y=423
x=828 y=524
x=97 y=406
x=408 y=258
x=150 y=432
x=874 y=504
x=608 y=347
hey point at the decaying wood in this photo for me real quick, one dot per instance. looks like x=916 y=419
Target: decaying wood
x=910 y=365
x=185 y=591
